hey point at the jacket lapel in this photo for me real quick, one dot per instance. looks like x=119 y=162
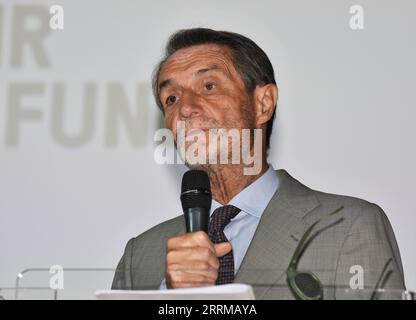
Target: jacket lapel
x=280 y=228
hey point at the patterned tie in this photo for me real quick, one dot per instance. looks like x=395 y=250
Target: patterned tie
x=219 y=219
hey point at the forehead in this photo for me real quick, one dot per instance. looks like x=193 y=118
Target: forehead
x=193 y=58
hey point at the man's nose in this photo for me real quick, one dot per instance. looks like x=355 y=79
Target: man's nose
x=190 y=105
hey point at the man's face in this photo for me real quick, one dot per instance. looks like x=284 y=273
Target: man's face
x=200 y=86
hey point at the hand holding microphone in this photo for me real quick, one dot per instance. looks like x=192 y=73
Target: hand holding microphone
x=192 y=259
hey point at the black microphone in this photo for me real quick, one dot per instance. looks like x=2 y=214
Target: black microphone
x=196 y=200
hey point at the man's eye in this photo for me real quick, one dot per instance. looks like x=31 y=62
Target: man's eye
x=170 y=100
x=209 y=86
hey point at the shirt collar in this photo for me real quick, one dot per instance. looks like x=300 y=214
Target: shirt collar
x=254 y=198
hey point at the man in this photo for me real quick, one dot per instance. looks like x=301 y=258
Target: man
x=214 y=79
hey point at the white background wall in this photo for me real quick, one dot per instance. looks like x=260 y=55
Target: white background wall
x=345 y=119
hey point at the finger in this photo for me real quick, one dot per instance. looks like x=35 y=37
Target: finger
x=192 y=239
x=192 y=255
x=195 y=267
x=183 y=279
x=221 y=249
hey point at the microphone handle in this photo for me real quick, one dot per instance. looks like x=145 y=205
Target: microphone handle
x=196 y=219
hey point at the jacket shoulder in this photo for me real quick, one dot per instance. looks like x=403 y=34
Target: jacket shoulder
x=354 y=207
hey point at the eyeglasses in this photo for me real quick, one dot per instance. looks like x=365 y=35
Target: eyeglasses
x=305 y=285
x=381 y=280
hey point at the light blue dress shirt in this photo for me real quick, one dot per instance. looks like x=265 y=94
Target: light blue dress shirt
x=252 y=201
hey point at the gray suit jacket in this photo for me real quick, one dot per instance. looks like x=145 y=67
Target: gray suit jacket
x=360 y=235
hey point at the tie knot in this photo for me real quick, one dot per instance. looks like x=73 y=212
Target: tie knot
x=221 y=217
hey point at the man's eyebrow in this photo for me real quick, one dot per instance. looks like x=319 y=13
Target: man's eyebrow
x=168 y=82
x=164 y=83
x=213 y=67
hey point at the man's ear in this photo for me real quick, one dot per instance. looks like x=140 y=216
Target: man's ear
x=265 y=99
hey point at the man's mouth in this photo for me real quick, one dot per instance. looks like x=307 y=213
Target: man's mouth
x=196 y=131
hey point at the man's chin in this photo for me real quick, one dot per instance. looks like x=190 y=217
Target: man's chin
x=198 y=166
x=208 y=168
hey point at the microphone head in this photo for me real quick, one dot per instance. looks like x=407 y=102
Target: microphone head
x=196 y=190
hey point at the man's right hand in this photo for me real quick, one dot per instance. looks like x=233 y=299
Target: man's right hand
x=192 y=260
